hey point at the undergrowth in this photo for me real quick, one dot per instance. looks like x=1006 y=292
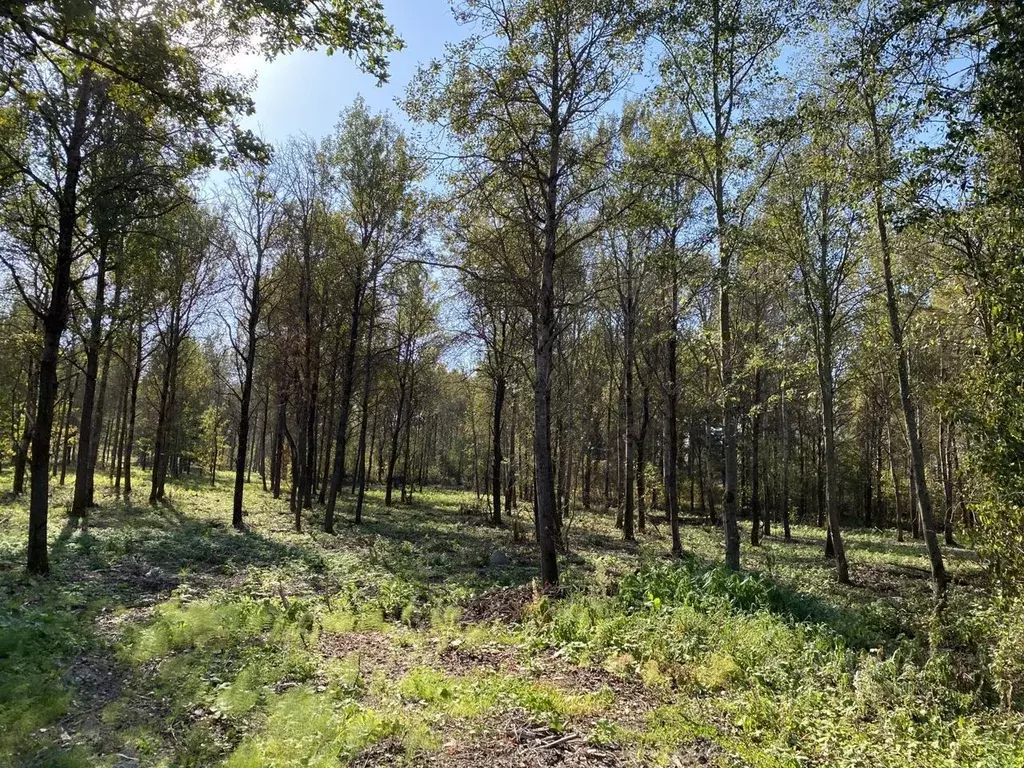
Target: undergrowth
x=166 y=638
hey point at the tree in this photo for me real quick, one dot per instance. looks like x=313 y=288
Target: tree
x=255 y=220
x=190 y=267
x=873 y=91
x=63 y=66
x=717 y=59
x=374 y=174
x=523 y=97
x=820 y=226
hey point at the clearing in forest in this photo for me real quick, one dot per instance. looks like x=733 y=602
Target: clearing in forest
x=164 y=637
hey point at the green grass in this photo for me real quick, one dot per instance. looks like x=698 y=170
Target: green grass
x=164 y=637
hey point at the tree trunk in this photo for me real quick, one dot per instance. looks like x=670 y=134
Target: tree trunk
x=396 y=435
x=82 y=498
x=924 y=502
x=129 y=442
x=510 y=487
x=496 y=457
x=263 y=435
x=165 y=411
x=347 y=387
x=54 y=321
x=367 y=383
x=785 y=466
x=832 y=477
x=755 y=463
x=407 y=451
x=641 y=458
x=945 y=457
x=629 y=442
x=249 y=363
x=280 y=426
x=122 y=431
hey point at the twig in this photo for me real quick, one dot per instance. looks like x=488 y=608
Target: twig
x=559 y=741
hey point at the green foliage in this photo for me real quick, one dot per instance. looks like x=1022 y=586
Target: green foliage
x=32 y=696
x=297 y=653
x=477 y=694
x=306 y=729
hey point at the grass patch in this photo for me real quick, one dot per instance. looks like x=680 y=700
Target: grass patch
x=165 y=635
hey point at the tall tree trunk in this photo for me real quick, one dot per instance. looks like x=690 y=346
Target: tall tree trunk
x=729 y=511
x=54 y=321
x=672 y=408
x=924 y=501
x=82 y=498
x=496 y=456
x=249 y=366
x=347 y=387
x=545 y=332
x=122 y=430
x=510 y=485
x=641 y=458
x=608 y=433
x=129 y=442
x=406 y=457
x=832 y=480
x=629 y=443
x=820 y=476
x=165 y=411
x=263 y=435
x=280 y=426
x=476 y=457
x=328 y=423
x=945 y=458
x=100 y=406
x=755 y=463
x=784 y=415
x=367 y=384
x=396 y=435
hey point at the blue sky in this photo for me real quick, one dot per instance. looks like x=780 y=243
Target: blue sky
x=303 y=92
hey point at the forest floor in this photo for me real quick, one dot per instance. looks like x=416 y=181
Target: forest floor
x=164 y=637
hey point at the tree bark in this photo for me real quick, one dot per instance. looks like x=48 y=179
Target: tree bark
x=396 y=433
x=672 y=409
x=629 y=443
x=367 y=383
x=129 y=442
x=755 y=463
x=641 y=458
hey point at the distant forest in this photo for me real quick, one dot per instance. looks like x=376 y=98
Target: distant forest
x=716 y=261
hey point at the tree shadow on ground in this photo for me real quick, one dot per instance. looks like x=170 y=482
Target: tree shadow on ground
x=162 y=536
x=420 y=542
x=861 y=624
x=121 y=558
